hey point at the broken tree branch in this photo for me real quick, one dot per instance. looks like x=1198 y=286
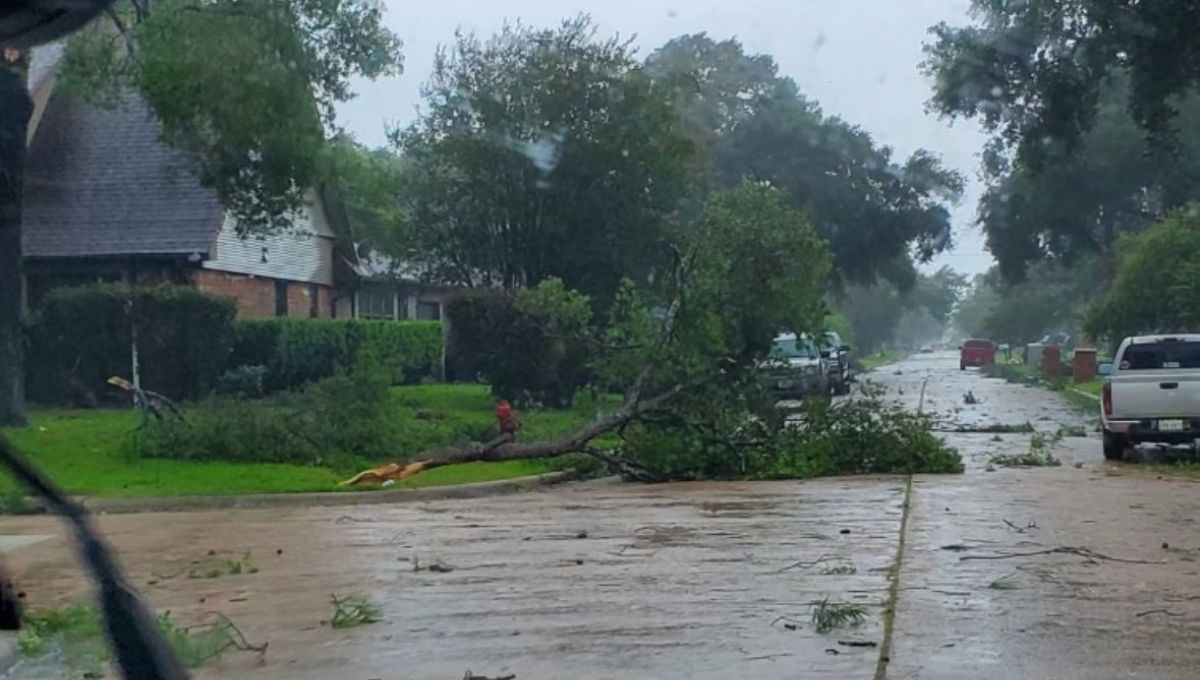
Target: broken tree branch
x=505 y=448
x=1082 y=552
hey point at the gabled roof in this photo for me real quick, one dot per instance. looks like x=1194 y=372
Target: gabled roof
x=100 y=182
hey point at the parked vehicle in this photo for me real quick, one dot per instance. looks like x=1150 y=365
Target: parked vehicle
x=837 y=362
x=795 y=368
x=1152 y=393
x=976 y=353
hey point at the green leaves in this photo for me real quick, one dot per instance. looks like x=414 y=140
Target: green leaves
x=754 y=125
x=544 y=154
x=1155 y=289
x=246 y=88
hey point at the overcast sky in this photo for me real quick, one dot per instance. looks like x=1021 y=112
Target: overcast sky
x=858 y=58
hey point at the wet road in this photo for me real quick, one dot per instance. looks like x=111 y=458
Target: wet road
x=705 y=580
x=1122 y=605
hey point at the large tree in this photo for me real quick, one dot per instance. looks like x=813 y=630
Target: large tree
x=246 y=88
x=1076 y=201
x=755 y=124
x=1035 y=70
x=1052 y=298
x=544 y=154
x=685 y=350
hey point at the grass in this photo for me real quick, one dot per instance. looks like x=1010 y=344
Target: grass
x=351 y=611
x=76 y=633
x=86 y=451
x=881 y=358
x=829 y=616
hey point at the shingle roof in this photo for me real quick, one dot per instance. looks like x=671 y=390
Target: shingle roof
x=100 y=182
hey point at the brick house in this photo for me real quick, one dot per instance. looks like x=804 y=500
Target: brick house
x=107 y=201
x=397 y=291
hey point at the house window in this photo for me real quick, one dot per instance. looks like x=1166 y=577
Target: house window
x=429 y=311
x=314 y=300
x=376 y=303
x=281 y=301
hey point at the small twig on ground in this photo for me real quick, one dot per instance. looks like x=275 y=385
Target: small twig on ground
x=1156 y=611
x=788 y=622
x=857 y=643
x=768 y=657
x=808 y=565
x=1021 y=530
x=1082 y=552
x=472 y=676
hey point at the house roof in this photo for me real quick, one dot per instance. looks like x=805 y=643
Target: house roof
x=100 y=182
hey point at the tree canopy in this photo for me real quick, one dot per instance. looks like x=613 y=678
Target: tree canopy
x=1052 y=298
x=1077 y=202
x=754 y=124
x=544 y=154
x=246 y=88
x=1035 y=71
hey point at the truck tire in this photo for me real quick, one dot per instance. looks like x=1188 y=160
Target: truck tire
x=1114 y=446
x=840 y=388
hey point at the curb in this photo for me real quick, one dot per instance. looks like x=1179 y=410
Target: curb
x=323 y=499
x=1089 y=396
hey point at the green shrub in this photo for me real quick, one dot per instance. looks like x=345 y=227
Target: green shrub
x=300 y=351
x=79 y=337
x=338 y=421
x=529 y=347
x=243 y=381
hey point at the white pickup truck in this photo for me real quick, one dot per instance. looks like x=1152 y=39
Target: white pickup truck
x=1152 y=394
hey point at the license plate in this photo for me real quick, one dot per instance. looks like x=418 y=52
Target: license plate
x=1170 y=426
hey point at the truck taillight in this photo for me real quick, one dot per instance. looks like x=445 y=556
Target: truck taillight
x=1107 y=397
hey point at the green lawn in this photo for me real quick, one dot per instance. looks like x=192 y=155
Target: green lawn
x=87 y=451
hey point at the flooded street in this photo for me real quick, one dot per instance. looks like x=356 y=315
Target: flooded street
x=1057 y=572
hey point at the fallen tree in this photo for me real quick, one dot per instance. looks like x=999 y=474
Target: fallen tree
x=745 y=269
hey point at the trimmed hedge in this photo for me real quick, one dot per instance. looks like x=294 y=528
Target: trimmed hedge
x=79 y=337
x=295 y=352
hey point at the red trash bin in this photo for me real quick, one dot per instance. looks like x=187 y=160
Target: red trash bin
x=1052 y=362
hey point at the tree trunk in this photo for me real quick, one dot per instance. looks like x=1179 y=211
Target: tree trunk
x=15 y=109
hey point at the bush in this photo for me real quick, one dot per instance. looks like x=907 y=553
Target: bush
x=244 y=381
x=295 y=352
x=529 y=347
x=339 y=420
x=79 y=337
x=1157 y=283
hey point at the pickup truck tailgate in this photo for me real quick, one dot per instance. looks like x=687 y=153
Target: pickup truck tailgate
x=1155 y=394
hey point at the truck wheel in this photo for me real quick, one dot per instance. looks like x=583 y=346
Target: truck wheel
x=962 y=367
x=1114 y=446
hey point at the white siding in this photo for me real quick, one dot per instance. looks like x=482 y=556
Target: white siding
x=303 y=253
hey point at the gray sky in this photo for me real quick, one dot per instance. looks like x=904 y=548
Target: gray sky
x=858 y=58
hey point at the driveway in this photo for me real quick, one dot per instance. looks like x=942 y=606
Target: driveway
x=704 y=580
